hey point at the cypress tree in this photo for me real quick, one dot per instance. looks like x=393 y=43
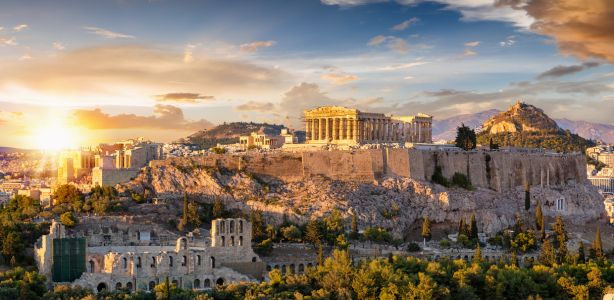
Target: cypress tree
x=561 y=239
x=354 y=233
x=527 y=197
x=597 y=248
x=461 y=226
x=320 y=254
x=426 y=230
x=581 y=255
x=477 y=255
x=473 y=228
x=543 y=227
x=539 y=216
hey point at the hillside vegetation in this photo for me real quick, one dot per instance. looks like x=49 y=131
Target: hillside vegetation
x=229 y=133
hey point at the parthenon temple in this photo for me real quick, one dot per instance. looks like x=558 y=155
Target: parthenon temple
x=340 y=125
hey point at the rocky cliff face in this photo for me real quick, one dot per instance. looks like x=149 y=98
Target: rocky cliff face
x=393 y=202
x=520 y=117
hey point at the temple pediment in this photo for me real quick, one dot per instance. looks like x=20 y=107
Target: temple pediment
x=332 y=111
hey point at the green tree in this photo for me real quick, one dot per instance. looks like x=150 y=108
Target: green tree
x=561 y=238
x=291 y=233
x=473 y=228
x=477 y=254
x=67 y=193
x=543 y=228
x=465 y=138
x=354 y=232
x=312 y=233
x=68 y=219
x=527 y=197
x=547 y=255
x=218 y=209
x=596 y=251
x=426 y=230
x=320 y=254
x=539 y=216
x=581 y=255
x=462 y=229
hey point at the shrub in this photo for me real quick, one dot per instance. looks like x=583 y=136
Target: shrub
x=413 y=247
x=461 y=180
x=444 y=243
x=438 y=177
x=68 y=219
x=218 y=150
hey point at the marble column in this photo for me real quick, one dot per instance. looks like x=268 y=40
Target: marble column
x=355 y=130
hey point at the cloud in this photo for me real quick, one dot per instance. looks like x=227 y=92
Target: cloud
x=396 y=67
x=377 y=40
x=20 y=27
x=580 y=28
x=339 y=78
x=254 y=46
x=346 y=3
x=559 y=71
x=394 y=43
x=188 y=53
x=469 y=52
x=58 y=46
x=265 y=107
x=107 y=33
x=183 y=97
x=472 y=44
x=508 y=42
x=116 y=73
x=8 y=41
x=405 y=24
x=25 y=57
x=165 y=117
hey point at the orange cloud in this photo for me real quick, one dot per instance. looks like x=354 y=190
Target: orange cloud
x=166 y=117
x=183 y=97
x=581 y=28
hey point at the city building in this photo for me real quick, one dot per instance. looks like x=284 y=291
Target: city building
x=261 y=140
x=107 y=253
x=604 y=184
x=289 y=137
x=340 y=125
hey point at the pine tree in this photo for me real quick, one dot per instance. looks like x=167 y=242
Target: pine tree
x=581 y=255
x=539 y=216
x=465 y=138
x=477 y=255
x=312 y=233
x=473 y=228
x=547 y=256
x=527 y=197
x=597 y=248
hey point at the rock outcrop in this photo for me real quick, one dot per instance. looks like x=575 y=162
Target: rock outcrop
x=520 y=117
x=390 y=201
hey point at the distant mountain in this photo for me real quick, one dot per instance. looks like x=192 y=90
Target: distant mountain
x=446 y=129
x=593 y=131
x=524 y=125
x=228 y=133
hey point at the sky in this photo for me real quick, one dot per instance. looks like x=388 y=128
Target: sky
x=84 y=72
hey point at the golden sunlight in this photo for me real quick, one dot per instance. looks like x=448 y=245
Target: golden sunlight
x=54 y=136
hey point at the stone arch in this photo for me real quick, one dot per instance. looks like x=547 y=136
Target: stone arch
x=125 y=263
x=207 y=283
x=138 y=262
x=196 y=283
x=293 y=268
x=219 y=281
x=301 y=268
x=198 y=260
x=118 y=286
x=268 y=268
x=223 y=241
x=212 y=262
x=152 y=285
x=240 y=226
x=153 y=262
x=101 y=287
x=92 y=266
x=184 y=261
x=129 y=286
x=283 y=269
x=232 y=226
x=241 y=240
x=170 y=261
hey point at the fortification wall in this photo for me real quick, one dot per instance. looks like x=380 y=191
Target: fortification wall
x=497 y=170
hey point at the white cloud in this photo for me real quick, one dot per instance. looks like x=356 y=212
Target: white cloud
x=350 y=2
x=469 y=52
x=377 y=40
x=8 y=41
x=107 y=33
x=402 y=66
x=20 y=27
x=26 y=57
x=395 y=43
x=508 y=42
x=254 y=46
x=58 y=46
x=339 y=78
x=188 y=53
x=472 y=44
x=405 y=24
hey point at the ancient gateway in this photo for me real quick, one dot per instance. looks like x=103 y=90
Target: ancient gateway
x=340 y=125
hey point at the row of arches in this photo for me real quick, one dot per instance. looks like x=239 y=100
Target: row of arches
x=154 y=262
x=197 y=284
x=296 y=269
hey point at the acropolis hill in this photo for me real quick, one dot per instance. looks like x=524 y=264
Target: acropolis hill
x=386 y=187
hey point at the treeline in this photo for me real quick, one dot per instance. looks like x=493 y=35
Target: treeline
x=559 y=141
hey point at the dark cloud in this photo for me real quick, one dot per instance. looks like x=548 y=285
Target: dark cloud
x=166 y=117
x=256 y=106
x=581 y=28
x=559 y=71
x=183 y=97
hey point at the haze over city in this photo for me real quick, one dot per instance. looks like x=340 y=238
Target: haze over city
x=97 y=71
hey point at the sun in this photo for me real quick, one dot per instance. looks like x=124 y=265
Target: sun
x=55 y=136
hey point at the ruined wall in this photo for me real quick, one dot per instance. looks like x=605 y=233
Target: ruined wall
x=496 y=170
